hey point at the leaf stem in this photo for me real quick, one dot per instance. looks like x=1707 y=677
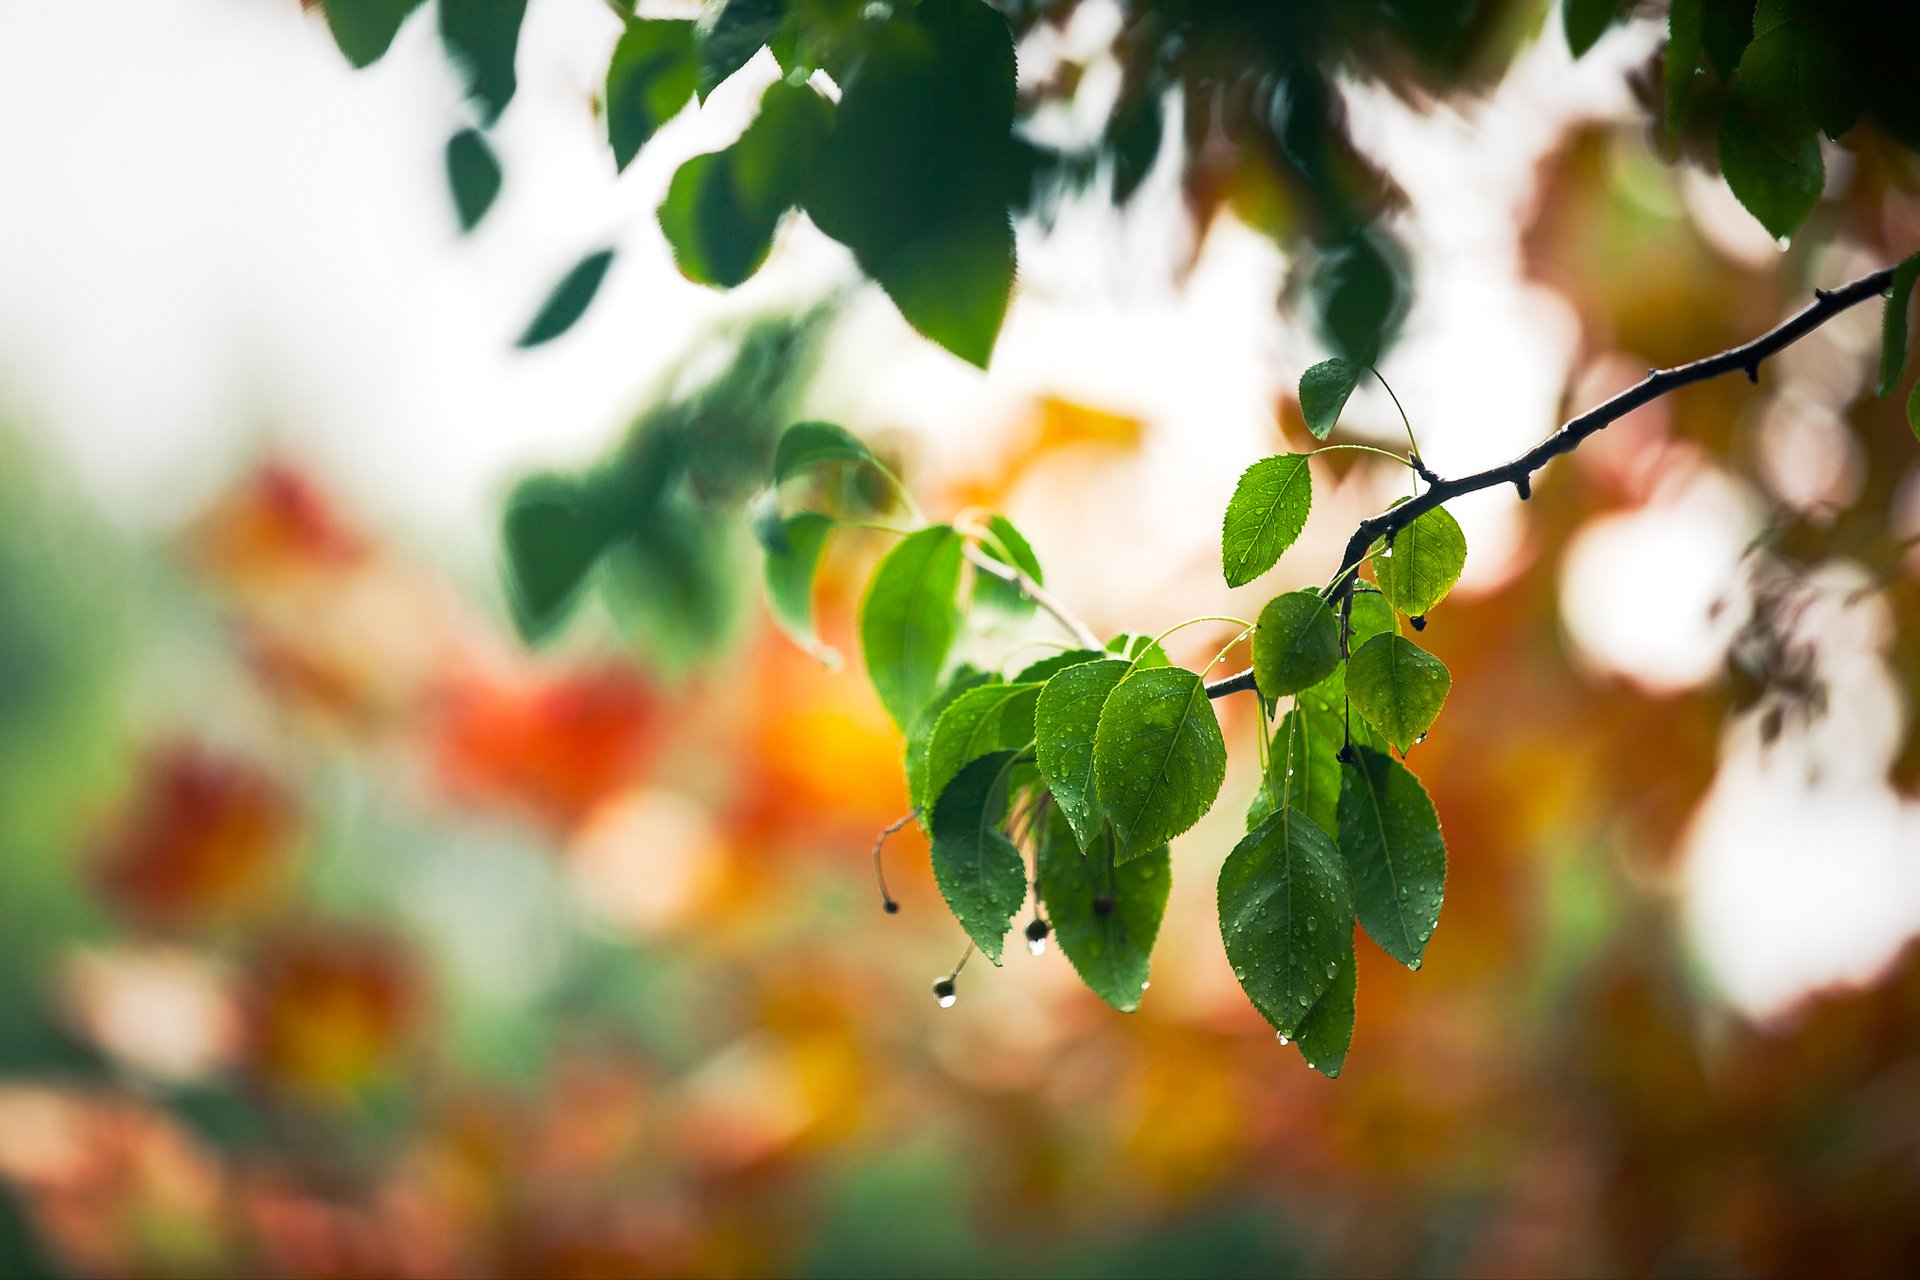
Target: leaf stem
x=1363 y=448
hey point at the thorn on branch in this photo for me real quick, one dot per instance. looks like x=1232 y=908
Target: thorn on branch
x=1823 y=295
x=1523 y=485
x=1753 y=372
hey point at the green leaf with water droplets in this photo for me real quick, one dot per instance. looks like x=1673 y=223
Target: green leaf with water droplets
x=921 y=734
x=1109 y=950
x=1371 y=616
x=995 y=717
x=980 y=873
x=1303 y=769
x=1323 y=393
x=790 y=568
x=1422 y=563
x=1158 y=758
x=1391 y=838
x=1398 y=686
x=1326 y=1032
x=1065 y=720
x=1286 y=917
x=1266 y=513
x=1297 y=644
x=908 y=619
x=1054 y=663
x=1139 y=649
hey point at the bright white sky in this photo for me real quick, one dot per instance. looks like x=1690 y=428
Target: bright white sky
x=218 y=239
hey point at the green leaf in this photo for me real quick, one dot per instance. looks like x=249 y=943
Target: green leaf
x=1789 y=86
x=1422 y=562
x=650 y=78
x=1398 y=687
x=1066 y=719
x=569 y=299
x=673 y=582
x=790 y=571
x=473 y=174
x=1296 y=645
x=1286 y=917
x=908 y=619
x=738 y=31
x=994 y=717
x=1268 y=509
x=1323 y=393
x=553 y=537
x=996 y=592
x=1913 y=411
x=980 y=873
x=1326 y=1032
x=1139 y=649
x=482 y=37
x=1303 y=769
x=921 y=734
x=917 y=175
x=1586 y=21
x=1686 y=29
x=1893 y=328
x=364 y=29
x=1371 y=616
x=1054 y=663
x=723 y=208
x=1109 y=949
x=1158 y=757
x=1391 y=838
x=1359 y=294
x=805 y=445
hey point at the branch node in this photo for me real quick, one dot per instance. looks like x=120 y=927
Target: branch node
x=1752 y=368
x=1823 y=295
x=1422 y=470
x=1523 y=485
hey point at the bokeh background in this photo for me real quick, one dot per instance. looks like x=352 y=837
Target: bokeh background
x=343 y=935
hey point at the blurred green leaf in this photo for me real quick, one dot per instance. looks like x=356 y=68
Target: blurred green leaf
x=650 y=78
x=908 y=619
x=673 y=583
x=1893 y=326
x=737 y=30
x=1109 y=943
x=996 y=592
x=980 y=873
x=1585 y=21
x=553 y=537
x=1296 y=645
x=790 y=572
x=364 y=29
x=1323 y=393
x=569 y=299
x=1685 y=48
x=1266 y=513
x=1285 y=916
x=1139 y=649
x=1360 y=295
x=1791 y=85
x=1398 y=686
x=1422 y=563
x=1391 y=838
x=473 y=174
x=1066 y=718
x=482 y=38
x=1158 y=757
x=811 y=444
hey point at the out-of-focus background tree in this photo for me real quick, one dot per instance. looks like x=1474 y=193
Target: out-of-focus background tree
x=343 y=935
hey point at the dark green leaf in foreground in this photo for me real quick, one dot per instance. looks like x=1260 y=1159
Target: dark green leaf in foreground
x=1893 y=328
x=790 y=571
x=1423 y=562
x=482 y=38
x=980 y=873
x=908 y=619
x=994 y=717
x=805 y=445
x=1326 y=1032
x=1266 y=513
x=1066 y=719
x=1286 y=917
x=1158 y=758
x=553 y=537
x=1585 y=21
x=1323 y=393
x=650 y=78
x=569 y=299
x=473 y=175
x=1108 y=948
x=1391 y=838
x=1398 y=687
x=1297 y=644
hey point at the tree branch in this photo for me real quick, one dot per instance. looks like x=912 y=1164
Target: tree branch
x=1519 y=473
x=1081 y=632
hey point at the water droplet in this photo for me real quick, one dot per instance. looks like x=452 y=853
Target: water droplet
x=1425 y=934
x=1239 y=973
x=1037 y=946
x=1303 y=999
x=944 y=993
x=946 y=1001
x=1312 y=1067
x=1415 y=965
x=1145 y=985
x=1422 y=738
x=1332 y=968
x=1312 y=924
x=1281 y=1036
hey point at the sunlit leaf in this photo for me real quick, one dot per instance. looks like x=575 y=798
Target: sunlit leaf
x=473 y=175
x=1065 y=721
x=1141 y=650
x=649 y=79
x=1422 y=563
x=790 y=571
x=1266 y=513
x=482 y=38
x=1158 y=757
x=1391 y=838
x=1303 y=771
x=1323 y=393
x=569 y=299
x=1398 y=687
x=908 y=619
x=1010 y=547
x=995 y=717
x=1286 y=917
x=979 y=871
x=1105 y=918
x=1296 y=645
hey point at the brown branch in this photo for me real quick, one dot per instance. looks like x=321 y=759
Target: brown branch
x=1519 y=473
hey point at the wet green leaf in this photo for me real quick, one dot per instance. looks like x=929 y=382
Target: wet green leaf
x=1422 y=563
x=994 y=717
x=1158 y=757
x=1066 y=719
x=921 y=734
x=908 y=619
x=1266 y=513
x=1326 y=1032
x=980 y=872
x=1323 y=393
x=1286 y=917
x=1398 y=686
x=1391 y=838
x=1110 y=948
x=1297 y=644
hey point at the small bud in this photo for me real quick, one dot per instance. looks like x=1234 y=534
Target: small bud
x=891 y=907
x=1419 y=621
x=1103 y=905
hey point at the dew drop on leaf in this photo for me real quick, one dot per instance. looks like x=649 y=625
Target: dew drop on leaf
x=1281 y=1036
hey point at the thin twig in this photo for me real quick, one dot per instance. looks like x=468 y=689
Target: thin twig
x=1746 y=359
x=1037 y=593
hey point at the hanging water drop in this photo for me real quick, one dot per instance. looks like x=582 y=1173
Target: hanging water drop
x=1037 y=930
x=944 y=993
x=1145 y=985
x=1281 y=1036
x=1422 y=738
